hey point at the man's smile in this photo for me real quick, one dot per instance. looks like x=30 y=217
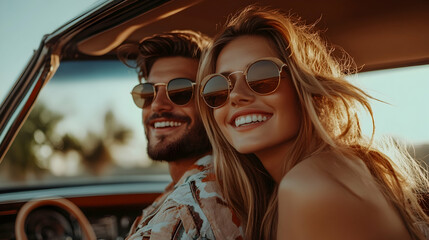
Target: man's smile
x=165 y=124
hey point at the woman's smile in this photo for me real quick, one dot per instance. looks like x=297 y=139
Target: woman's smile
x=242 y=119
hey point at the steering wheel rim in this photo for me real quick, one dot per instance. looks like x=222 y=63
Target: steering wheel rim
x=65 y=204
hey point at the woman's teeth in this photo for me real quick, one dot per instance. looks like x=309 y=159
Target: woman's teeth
x=166 y=124
x=249 y=119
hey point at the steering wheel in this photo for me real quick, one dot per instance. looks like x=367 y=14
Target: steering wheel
x=63 y=204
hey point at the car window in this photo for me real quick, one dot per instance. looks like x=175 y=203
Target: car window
x=84 y=127
x=402 y=111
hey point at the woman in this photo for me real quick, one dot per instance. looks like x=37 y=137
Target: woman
x=290 y=156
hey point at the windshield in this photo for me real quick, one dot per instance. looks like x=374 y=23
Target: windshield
x=85 y=127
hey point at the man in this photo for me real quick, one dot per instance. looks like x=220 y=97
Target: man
x=192 y=206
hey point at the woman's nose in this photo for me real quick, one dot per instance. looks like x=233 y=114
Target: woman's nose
x=240 y=94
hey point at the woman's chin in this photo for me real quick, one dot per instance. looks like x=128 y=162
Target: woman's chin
x=246 y=148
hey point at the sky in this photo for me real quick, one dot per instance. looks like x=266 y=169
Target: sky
x=22 y=26
x=24 y=22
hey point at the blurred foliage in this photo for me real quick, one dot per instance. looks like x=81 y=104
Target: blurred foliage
x=38 y=141
x=19 y=159
x=96 y=152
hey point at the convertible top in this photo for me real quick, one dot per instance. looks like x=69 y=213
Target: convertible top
x=377 y=34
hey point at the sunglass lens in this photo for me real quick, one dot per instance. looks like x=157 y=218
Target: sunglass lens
x=180 y=91
x=215 y=91
x=143 y=94
x=263 y=76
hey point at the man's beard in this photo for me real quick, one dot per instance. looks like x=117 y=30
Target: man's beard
x=194 y=143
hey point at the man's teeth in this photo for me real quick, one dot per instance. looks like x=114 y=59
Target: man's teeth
x=249 y=119
x=167 y=124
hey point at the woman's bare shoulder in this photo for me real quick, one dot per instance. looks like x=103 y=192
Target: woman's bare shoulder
x=327 y=175
x=312 y=183
x=319 y=174
x=314 y=203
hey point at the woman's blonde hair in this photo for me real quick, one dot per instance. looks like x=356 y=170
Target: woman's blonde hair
x=328 y=106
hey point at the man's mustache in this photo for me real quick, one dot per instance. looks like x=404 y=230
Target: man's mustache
x=167 y=115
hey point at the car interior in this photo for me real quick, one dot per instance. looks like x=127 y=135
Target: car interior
x=72 y=142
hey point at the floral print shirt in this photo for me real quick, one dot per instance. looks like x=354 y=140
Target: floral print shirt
x=193 y=208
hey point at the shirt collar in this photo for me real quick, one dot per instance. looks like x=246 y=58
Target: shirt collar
x=200 y=165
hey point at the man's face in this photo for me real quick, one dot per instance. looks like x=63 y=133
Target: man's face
x=173 y=131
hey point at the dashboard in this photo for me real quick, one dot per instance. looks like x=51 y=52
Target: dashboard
x=107 y=210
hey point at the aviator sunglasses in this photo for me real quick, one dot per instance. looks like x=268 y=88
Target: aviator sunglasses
x=262 y=77
x=179 y=91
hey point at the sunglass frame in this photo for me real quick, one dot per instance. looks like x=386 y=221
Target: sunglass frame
x=155 y=85
x=279 y=63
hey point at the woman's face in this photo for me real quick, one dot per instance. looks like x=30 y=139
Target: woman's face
x=278 y=111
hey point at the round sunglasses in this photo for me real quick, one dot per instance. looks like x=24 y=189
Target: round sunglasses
x=179 y=91
x=262 y=77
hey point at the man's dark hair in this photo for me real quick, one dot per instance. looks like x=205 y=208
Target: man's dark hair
x=183 y=43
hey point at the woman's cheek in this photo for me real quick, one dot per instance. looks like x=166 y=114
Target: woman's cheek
x=220 y=116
